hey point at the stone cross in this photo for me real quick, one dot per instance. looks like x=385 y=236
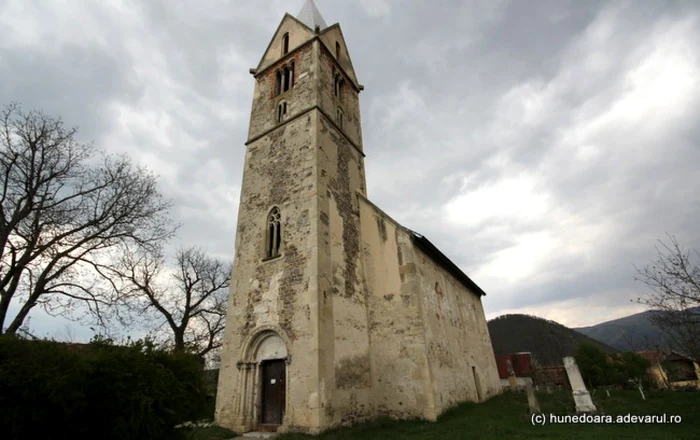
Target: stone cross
x=582 y=398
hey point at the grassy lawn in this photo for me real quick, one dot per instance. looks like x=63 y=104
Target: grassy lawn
x=212 y=433
x=507 y=416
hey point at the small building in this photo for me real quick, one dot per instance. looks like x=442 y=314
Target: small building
x=672 y=370
x=520 y=364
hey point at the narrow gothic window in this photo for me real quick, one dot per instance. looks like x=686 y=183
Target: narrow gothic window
x=281 y=111
x=274 y=234
x=285 y=44
x=291 y=75
x=338 y=85
x=337 y=50
x=278 y=84
x=285 y=79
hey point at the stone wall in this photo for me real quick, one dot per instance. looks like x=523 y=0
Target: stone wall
x=345 y=366
x=329 y=37
x=458 y=344
x=277 y=293
x=348 y=102
x=430 y=342
x=299 y=98
x=402 y=381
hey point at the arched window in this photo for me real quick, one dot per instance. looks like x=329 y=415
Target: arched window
x=338 y=85
x=339 y=117
x=285 y=78
x=274 y=234
x=285 y=44
x=291 y=74
x=281 y=111
x=337 y=50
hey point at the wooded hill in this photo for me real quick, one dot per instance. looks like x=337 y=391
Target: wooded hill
x=631 y=333
x=548 y=341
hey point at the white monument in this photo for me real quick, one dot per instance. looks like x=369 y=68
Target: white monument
x=582 y=398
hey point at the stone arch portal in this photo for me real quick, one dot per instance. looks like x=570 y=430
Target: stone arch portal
x=262 y=380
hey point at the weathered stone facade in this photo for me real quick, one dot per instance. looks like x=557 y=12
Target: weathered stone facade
x=369 y=318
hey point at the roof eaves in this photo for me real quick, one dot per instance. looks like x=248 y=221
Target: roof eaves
x=440 y=258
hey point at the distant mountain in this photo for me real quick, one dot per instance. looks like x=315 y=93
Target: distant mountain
x=547 y=340
x=631 y=333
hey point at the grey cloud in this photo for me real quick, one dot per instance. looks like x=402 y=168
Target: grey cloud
x=77 y=84
x=446 y=93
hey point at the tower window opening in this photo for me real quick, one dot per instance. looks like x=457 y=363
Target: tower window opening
x=286 y=77
x=291 y=75
x=285 y=80
x=274 y=234
x=285 y=44
x=278 y=83
x=281 y=111
x=339 y=117
x=338 y=85
x=337 y=50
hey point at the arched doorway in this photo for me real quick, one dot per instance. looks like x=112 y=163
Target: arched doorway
x=262 y=381
x=271 y=356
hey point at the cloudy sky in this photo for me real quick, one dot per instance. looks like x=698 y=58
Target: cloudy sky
x=549 y=143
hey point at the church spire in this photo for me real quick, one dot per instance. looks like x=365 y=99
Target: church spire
x=310 y=16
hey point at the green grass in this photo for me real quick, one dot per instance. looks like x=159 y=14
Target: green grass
x=507 y=417
x=212 y=433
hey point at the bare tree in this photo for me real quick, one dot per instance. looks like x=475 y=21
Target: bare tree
x=65 y=206
x=188 y=301
x=634 y=339
x=674 y=279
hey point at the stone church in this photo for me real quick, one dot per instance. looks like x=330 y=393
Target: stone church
x=336 y=312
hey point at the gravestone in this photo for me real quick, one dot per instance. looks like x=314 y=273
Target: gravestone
x=512 y=380
x=582 y=398
x=532 y=399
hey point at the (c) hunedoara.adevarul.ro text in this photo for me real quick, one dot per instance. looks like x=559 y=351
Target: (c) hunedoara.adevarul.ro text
x=651 y=419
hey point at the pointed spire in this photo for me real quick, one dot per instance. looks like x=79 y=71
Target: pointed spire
x=310 y=16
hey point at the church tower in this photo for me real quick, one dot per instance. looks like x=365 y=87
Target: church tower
x=296 y=349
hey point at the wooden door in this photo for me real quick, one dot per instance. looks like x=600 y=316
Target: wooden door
x=273 y=392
